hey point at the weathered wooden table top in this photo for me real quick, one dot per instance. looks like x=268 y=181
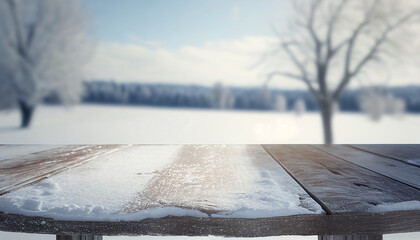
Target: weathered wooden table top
x=229 y=190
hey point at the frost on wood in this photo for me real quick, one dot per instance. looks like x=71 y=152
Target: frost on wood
x=140 y=182
x=43 y=50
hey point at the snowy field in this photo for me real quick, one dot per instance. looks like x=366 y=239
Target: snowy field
x=115 y=124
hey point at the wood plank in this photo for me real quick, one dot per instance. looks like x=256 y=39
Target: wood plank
x=397 y=170
x=409 y=153
x=13 y=150
x=24 y=170
x=214 y=178
x=340 y=186
x=350 y=237
x=340 y=224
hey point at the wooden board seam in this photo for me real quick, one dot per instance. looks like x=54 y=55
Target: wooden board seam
x=315 y=198
x=381 y=155
x=366 y=167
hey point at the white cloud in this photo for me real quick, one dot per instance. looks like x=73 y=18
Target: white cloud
x=226 y=61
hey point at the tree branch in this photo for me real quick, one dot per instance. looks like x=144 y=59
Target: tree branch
x=271 y=75
x=348 y=75
x=301 y=67
x=19 y=28
x=311 y=20
x=284 y=74
x=331 y=26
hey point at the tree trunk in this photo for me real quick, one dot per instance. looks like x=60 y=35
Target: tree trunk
x=26 y=111
x=326 y=114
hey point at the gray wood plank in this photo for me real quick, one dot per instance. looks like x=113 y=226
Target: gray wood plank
x=24 y=170
x=340 y=224
x=409 y=153
x=340 y=186
x=397 y=170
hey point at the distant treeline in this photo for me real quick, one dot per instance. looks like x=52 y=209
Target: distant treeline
x=219 y=96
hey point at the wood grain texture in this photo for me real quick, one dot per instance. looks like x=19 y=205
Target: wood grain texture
x=340 y=186
x=25 y=170
x=397 y=170
x=213 y=178
x=408 y=153
x=341 y=224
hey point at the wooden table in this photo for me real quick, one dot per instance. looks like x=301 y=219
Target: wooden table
x=358 y=191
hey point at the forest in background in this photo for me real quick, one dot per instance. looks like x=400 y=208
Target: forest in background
x=224 y=97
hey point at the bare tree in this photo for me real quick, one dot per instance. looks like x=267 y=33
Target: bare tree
x=43 y=48
x=333 y=42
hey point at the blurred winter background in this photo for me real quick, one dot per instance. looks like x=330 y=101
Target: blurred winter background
x=271 y=71
x=210 y=71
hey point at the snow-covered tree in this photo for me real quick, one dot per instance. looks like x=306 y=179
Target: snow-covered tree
x=299 y=107
x=372 y=102
x=43 y=48
x=375 y=103
x=280 y=104
x=394 y=106
x=221 y=97
x=263 y=97
x=398 y=107
x=333 y=42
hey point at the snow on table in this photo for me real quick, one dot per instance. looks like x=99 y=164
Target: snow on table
x=139 y=182
x=41 y=162
x=11 y=151
x=228 y=190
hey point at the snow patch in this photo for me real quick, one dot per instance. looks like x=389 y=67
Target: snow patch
x=32 y=204
x=401 y=206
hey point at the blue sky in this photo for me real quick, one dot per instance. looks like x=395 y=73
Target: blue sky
x=174 y=23
x=197 y=42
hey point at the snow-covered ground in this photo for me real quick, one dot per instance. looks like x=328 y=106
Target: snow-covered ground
x=121 y=124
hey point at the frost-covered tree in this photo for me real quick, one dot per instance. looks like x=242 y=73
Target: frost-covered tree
x=394 y=106
x=398 y=107
x=333 y=42
x=221 y=97
x=43 y=48
x=280 y=103
x=299 y=107
x=373 y=103
x=263 y=98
